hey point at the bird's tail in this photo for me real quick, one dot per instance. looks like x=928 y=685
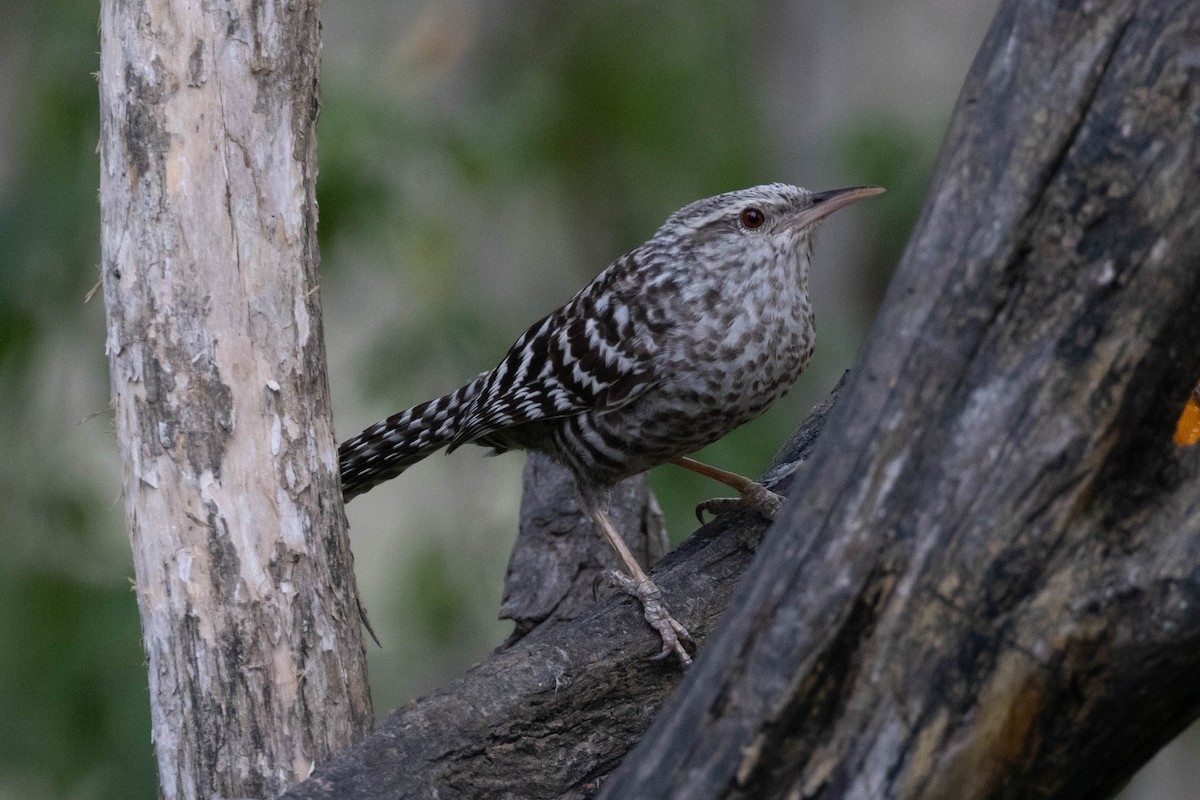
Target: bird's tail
x=387 y=448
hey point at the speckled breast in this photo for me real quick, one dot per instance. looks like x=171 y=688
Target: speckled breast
x=725 y=373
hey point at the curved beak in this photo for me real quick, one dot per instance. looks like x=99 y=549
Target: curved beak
x=825 y=203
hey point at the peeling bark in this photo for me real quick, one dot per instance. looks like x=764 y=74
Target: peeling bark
x=244 y=574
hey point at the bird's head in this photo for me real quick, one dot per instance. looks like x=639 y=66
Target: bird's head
x=774 y=221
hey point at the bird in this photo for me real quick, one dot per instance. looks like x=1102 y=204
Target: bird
x=676 y=343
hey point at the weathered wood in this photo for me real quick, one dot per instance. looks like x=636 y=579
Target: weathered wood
x=554 y=713
x=987 y=584
x=243 y=568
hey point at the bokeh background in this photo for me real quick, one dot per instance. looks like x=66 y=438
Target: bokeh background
x=479 y=162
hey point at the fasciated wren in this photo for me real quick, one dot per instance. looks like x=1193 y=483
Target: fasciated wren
x=671 y=347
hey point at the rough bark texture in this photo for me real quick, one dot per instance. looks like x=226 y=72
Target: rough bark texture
x=986 y=583
x=243 y=568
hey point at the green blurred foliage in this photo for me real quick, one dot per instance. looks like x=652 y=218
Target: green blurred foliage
x=74 y=715
x=886 y=152
x=436 y=599
x=49 y=226
x=628 y=109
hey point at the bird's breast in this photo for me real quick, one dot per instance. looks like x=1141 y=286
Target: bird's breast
x=755 y=348
x=734 y=361
x=724 y=367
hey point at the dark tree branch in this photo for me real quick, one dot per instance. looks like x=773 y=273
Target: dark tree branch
x=987 y=583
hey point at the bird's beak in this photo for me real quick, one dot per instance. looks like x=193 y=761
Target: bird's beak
x=825 y=203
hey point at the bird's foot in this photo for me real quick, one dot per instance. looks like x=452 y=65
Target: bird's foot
x=755 y=497
x=673 y=634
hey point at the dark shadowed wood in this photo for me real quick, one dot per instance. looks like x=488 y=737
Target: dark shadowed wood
x=987 y=583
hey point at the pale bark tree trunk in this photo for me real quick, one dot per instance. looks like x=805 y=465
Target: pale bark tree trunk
x=243 y=568
x=986 y=582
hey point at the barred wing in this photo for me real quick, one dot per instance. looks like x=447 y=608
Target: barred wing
x=584 y=357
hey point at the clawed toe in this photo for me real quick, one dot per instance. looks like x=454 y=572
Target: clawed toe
x=670 y=630
x=763 y=500
x=718 y=506
x=755 y=497
x=673 y=640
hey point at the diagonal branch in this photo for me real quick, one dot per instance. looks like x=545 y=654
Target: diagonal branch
x=555 y=712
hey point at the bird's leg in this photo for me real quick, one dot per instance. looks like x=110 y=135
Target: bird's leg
x=754 y=495
x=638 y=584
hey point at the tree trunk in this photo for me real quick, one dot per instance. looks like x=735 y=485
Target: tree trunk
x=243 y=568
x=986 y=583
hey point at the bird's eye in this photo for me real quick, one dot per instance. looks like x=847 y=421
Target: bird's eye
x=753 y=218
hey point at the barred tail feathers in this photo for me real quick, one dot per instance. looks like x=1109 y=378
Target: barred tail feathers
x=389 y=447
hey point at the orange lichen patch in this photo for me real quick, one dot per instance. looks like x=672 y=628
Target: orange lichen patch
x=1187 y=430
